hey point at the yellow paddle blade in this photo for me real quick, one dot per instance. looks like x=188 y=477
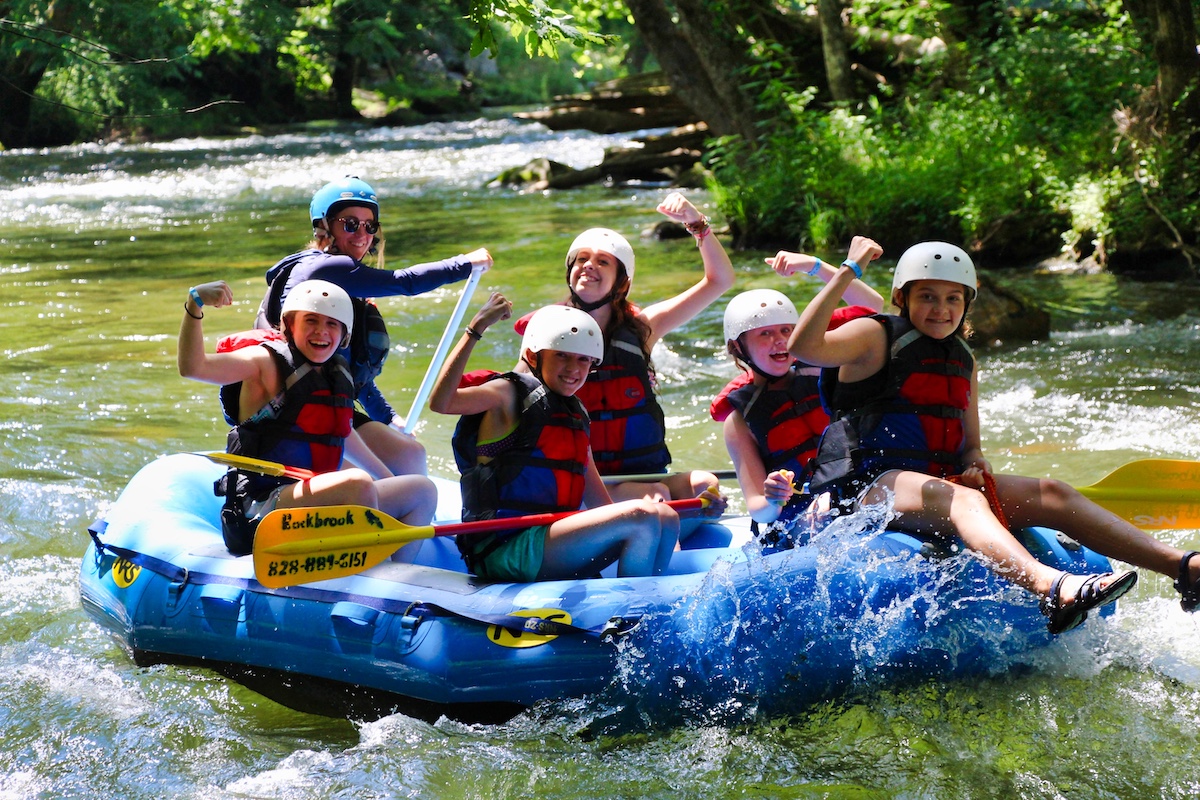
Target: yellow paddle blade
x=1151 y=493
x=257 y=465
x=298 y=545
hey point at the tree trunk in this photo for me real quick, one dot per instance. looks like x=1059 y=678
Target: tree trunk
x=703 y=59
x=1169 y=26
x=22 y=74
x=836 y=51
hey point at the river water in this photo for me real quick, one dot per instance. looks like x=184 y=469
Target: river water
x=98 y=247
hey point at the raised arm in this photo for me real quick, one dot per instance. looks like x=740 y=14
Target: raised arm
x=446 y=396
x=667 y=315
x=858 y=293
x=193 y=360
x=854 y=342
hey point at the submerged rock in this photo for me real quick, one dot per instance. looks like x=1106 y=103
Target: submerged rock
x=670 y=159
x=999 y=314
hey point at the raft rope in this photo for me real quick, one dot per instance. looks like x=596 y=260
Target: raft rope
x=419 y=610
x=617 y=626
x=168 y=570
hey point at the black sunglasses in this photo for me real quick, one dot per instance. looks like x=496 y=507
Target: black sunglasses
x=351 y=225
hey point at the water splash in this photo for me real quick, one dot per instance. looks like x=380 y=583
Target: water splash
x=771 y=636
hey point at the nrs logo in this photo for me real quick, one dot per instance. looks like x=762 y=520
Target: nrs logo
x=124 y=573
x=528 y=638
x=1151 y=523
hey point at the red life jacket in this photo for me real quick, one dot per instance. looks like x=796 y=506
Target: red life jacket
x=786 y=418
x=541 y=465
x=629 y=430
x=307 y=423
x=909 y=415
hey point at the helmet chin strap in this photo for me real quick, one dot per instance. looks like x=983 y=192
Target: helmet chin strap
x=579 y=303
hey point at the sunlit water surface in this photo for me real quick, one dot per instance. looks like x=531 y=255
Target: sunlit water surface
x=99 y=247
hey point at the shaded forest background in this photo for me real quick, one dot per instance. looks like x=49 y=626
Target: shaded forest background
x=1024 y=130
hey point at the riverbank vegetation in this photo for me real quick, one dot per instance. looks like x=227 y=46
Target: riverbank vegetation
x=1023 y=129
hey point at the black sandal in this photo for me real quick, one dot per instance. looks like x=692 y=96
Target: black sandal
x=1089 y=595
x=1188 y=588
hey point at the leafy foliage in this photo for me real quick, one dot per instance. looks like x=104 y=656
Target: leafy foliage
x=1019 y=161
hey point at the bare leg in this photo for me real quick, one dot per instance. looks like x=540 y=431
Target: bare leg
x=672 y=487
x=1041 y=501
x=931 y=506
x=412 y=499
x=645 y=533
x=401 y=453
x=344 y=487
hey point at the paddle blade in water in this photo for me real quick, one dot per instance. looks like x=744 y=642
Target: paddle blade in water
x=1152 y=493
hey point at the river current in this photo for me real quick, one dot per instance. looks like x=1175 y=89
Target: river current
x=98 y=248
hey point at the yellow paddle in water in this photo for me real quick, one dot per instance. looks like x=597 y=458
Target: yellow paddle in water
x=298 y=545
x=1152 y=493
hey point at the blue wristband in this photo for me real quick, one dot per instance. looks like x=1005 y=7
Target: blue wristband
x=854 y=266
x=816 y=268
x=192 y=293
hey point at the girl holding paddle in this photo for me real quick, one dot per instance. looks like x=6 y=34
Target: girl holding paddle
x=906 y=404
x=292 y=401
x=522 y=446
x=771 y=413
x=346 y=229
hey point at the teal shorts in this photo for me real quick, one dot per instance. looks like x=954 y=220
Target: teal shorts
x=517 y=559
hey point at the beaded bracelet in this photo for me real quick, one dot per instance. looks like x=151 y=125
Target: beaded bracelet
x=854 y=266
x=474 y=334
x=700 y=228
x=812 y=273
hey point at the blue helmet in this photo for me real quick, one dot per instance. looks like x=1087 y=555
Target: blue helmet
x=336 y=195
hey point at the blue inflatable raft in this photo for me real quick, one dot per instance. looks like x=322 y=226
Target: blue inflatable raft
x=727 y=631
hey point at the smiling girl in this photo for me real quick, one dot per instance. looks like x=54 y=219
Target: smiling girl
x=628 y=424
x=292 y=402
x=522 y=446
x=772 y=413
x=907 y=410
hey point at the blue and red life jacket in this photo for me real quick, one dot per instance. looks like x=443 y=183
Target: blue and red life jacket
x=909 y=415
x=538 y=468
x=785 y=416
x=628 y=427
x=307 y=423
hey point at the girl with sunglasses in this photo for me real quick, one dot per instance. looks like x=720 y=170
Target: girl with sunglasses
x=346 y=229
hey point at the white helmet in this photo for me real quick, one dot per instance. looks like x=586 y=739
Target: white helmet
x=565 y=329
x=758 y=308
x=321 y=297
x=607 y=240
x=936 y=261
